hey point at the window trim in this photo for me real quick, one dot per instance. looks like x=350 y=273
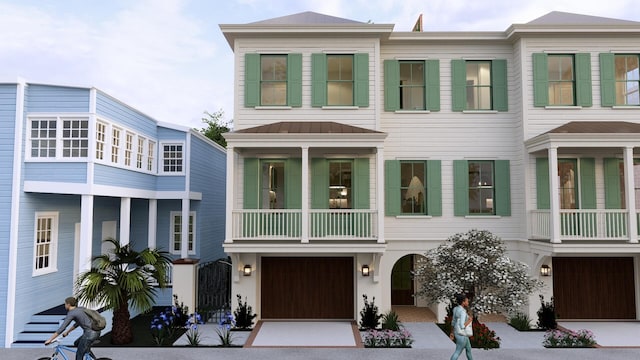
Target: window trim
x=59 y=138
x=53 y=244
x=172 y=240
x=161 y=164
x=499 y=85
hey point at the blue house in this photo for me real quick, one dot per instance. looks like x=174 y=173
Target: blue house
x=78 y=166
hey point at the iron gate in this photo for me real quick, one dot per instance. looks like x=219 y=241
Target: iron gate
x=214 y=289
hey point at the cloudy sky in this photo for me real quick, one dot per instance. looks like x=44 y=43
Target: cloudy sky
x=169 y=59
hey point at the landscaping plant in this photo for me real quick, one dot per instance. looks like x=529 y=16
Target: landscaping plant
x=369 y=317
x=560 y=338
x=243 y=315
x=390 y=321
x=520 y=322
x=547 y=315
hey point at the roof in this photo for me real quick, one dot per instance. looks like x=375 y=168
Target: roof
x=564 y=18
x=306 y=127
x=597 y=127
x=306 y=18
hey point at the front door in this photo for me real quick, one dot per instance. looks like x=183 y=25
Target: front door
x=402 y=287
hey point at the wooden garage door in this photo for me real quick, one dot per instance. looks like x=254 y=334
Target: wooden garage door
x=594 y=288
x=307 y=288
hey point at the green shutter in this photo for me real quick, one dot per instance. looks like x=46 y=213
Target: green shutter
x=540 y=80
x=251 y=80
x=294 y=80
x=319 y=183
x=612 y=193
x=361 y=192
x=458 y=85
x=293 y=184
x=460 y=188
x=432 y=80
x=251 y=194
x=499 y=85
x=392 y=187
x=583 y=79
x=502 y=184
x=542 y=183
x=361 y=80
x=587 y=183
x=607 y=80
x=391 y=85
x=318 y=80
x=434 y=188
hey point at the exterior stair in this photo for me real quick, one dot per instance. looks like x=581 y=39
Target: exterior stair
x=41 y=326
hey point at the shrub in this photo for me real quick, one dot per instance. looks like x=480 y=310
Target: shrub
x=521 y=322
x=547 y=315
x=165 y=324
x=243 y=314
x=387 y=338
x=390 y=321
x=483 y=337
x=193 y=336
x=369 y=317
x=224 y=330
x=559 y=338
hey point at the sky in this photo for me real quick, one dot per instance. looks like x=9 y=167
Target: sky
x=169 y=59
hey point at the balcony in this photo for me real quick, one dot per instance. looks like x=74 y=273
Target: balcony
x=286 y=224
x=582 y=224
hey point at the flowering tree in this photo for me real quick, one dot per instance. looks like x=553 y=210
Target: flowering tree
x=475 y=263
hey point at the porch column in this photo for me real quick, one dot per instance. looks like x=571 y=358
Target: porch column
x=380 y=192
x=125 y=220
x=86 y=233
x=228 y=229
x=554 y=202
x=184 y=234
x=305 y=195
x=630 y=194
x=153 y=223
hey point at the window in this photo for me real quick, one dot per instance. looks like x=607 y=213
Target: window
x=140 y=152
x=43 y=138
x=482 y=187
x=101 y=131
x=411 y=85
x=562 y=79
x=128 y=148
x=46 y=243
x=413 y=187
x=75 y=138
x=340 y=190
x=340 y=80
x=151 y=155
x=568 y=190
x=273 y=185
x=479 y=85
x=172 y=158
x=176 y=232
x=627 y=80
x=115 y=144
x=273 y=80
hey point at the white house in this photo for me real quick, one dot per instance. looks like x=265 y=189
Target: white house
x=357 y=148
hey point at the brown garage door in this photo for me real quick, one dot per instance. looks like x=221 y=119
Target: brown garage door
x=307 y=288
x=594 y=288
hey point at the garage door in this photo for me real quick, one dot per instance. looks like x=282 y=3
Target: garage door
x=594 y=288
x=307 y=288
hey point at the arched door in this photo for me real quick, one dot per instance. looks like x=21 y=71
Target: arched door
x=402 y=284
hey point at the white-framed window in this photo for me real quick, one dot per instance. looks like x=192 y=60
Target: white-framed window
x=115 y=144
x=172 y=158
x=75 y=138
x=128 y=148
x=45 y=245
x=151 y=155
x=43 y=138
x=101 y=141
x=176 y=232
x=55 y=137
x=140 y=152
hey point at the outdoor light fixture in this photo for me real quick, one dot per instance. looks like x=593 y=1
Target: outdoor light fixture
x=247 y=270
x=365 y=270
x=545 y=270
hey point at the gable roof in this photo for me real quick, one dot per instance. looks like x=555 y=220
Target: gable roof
x=565 y=18
x=306 y=18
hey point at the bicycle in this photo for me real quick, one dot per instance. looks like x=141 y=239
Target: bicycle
x=59 y=354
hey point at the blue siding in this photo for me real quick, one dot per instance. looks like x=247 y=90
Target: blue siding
x=170 y=183
x=170 y=134
x=71 y=172
x=165 y=207
x=139 y=231
x=124 y=115
x=48 y=98
x=112 y=176
x=208 y=176
x=7 y=131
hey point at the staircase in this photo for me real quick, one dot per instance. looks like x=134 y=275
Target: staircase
x=41 y=326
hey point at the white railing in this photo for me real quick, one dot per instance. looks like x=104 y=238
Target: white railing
x=260 y=224
x=168 y=277
x=330 y=224
x=582 y=224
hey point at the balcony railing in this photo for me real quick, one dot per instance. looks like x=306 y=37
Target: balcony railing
x=582 y=224
x=286 y=224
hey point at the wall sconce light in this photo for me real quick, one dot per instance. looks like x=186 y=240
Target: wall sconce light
x=247 y=270
x=365 y=270
x=545 y=270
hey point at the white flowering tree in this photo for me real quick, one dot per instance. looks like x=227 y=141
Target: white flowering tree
x=475 y=262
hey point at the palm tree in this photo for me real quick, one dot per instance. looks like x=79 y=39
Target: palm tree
x=124 y=277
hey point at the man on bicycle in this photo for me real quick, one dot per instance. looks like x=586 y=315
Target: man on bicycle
x=74 y=313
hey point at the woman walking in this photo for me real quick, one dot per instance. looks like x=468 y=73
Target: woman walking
x=461 y=319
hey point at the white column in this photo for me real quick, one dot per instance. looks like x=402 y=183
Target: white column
x=86 y=233
x=630 y=194
x=554 y=201
x=380 y=192
x=153 y=223
x=125 y=220
x=305 y=195
x=228 y=229
x=184 y=236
